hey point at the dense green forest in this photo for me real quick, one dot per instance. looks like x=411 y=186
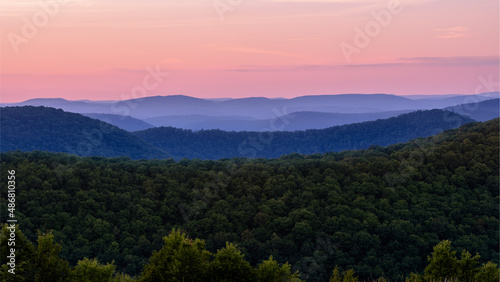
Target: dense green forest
x=218 y=144
x=186 y=259
x=378 y=211
x=31 y=128
x=46 y=129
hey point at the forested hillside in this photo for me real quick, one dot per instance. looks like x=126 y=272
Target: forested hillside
x=378 y=211
x=121 y=121
x=186 y=259
x=217 y=144
x=46 y=129
x=479 y=111
x=295 y=121
x=31 y=128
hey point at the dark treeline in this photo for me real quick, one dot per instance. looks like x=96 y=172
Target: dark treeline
x=218 y=144
x=377 y=211
x=31 y=128
x=186 y=259
x=46 y=129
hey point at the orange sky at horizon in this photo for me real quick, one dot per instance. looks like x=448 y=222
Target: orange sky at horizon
x=100 y=50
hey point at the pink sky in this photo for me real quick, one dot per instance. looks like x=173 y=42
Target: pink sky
x=99 y=50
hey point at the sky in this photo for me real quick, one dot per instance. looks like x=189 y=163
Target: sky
x=121 y=49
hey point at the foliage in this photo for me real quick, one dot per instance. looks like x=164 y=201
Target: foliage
x=42 y=263
x=229 y=265
x=25 y=253
x=31 y=128
x=217 y=144
x=377 y=211
x=177 y=261
x=443 y=263
x=270 y=270
x=89 y=270
x=347 y=276
x=488 y=272
x=48 y=265
x=180 y=259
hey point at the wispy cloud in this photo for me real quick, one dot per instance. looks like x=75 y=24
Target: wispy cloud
x=306 y=67
x=257 y=51
x=364 y=2
x=303 y=38
x=412 y=61
x=335 y=1
x=316 y=1
x=455 y=61
x=452 y=32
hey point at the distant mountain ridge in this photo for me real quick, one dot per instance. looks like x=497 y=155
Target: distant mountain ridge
x=480 y=111
x=124 y=122
x=292 y=122
x=255 y=107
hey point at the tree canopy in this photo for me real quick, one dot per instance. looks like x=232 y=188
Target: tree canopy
x=378 y=211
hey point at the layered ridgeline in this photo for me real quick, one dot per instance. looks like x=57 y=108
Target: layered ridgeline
x=257 y=113
x=295 y=121
x=39 y=128
x=258 y=107
x=480 y=111
x=217 y=144
x=378 y=211
x=124 y=122
x=46 y=129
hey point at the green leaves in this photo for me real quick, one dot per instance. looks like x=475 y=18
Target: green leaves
x=25 y=254
x=311 y=211
x=443 y=262
x=49 y=267
x=90 y=270
x=346 y=276
x=271 y=271
x=444 y=265
x=180 y=259
x=44 y=264
x=185 y=259
x=229 y=265
x=488 y=272
x=467 y=266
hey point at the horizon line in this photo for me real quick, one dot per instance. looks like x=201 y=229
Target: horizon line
x=250 y=97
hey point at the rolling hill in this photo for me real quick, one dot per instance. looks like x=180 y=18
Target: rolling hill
x=377 y=211
x=124 y=122
x=217 y=144
x=290 y=122
x=480 y=111
x=39 y=128
x=198 y=122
